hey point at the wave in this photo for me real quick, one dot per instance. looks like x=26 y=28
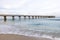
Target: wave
x=32 y=35
x=28 y=29
x=6 y=29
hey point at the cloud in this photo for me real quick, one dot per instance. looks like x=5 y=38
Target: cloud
x=37 y=7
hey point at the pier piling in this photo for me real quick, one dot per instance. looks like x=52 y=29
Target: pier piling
x=5 y=18
x=19 y=17
x=38 y=17
x=24 y=17
x=35 y=17
x=29 y=17
x=32 y=17
x=12 y=17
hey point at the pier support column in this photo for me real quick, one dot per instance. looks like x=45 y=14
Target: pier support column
x=19 y=17
x=38 y=17
x=5 y=18
x=41 y=16
x=29 y=17
x=32 y=17
x=12 y=17
x=35 y=17
x=49 y=16
x=24 y=17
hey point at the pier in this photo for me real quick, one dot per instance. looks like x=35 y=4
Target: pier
x=26 y=16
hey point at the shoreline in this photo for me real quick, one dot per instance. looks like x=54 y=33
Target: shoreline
x=19 y=37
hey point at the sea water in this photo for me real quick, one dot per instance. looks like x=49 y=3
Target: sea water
x=43 y=27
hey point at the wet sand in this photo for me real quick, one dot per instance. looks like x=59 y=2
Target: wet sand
x=19 y=37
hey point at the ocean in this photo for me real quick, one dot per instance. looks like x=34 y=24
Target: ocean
x=43 y=27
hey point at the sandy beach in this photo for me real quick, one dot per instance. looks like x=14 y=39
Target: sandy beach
x=19 y=37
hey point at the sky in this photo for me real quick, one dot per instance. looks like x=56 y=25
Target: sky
x=30 y=7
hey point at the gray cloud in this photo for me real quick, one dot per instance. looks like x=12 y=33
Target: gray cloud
x=37 y=7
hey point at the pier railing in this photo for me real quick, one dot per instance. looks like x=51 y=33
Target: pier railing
x=25 y=16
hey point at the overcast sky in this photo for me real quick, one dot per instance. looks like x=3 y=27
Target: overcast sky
x=30 y=7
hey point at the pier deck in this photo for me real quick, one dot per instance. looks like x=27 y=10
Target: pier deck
x=25 y=16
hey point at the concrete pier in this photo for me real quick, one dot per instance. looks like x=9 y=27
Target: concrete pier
x=5 y=18
x=38 y=17
x=12 y=17
x=27 y=16
x=32 y=17
x=24 y=17
x=19 y=17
